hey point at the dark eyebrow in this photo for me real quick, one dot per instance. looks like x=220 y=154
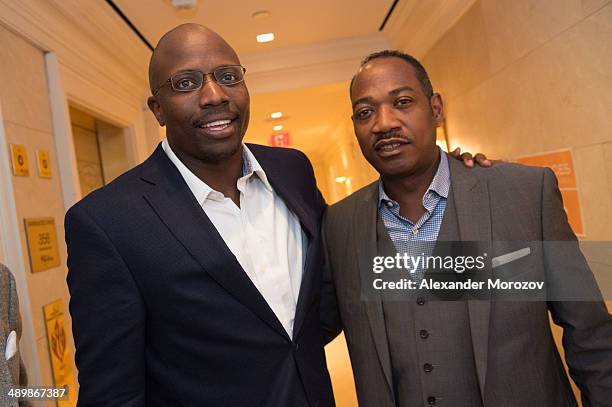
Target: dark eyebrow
x=368 y=99
x=362 y=100
x=399 y=90
x=183 y=71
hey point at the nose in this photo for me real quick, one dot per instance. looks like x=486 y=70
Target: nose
x=385 y=120
x=211 y=93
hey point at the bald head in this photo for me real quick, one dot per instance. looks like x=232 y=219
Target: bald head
x=179 y=40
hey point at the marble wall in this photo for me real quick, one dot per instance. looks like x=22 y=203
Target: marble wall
x=526 y=77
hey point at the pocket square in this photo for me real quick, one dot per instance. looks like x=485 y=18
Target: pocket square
x=11 y=345
x=508 y=257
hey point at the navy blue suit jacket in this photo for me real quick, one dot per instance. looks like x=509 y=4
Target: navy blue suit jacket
x=164 y=315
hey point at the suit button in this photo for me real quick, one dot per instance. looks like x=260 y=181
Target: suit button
x=431 y=400
x=427 y=367
x=420 y=301
x=423 y=334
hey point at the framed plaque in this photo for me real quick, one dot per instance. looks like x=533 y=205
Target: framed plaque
x=42 y=243
x=44 y=165
x=57 y=341
x=19 y=159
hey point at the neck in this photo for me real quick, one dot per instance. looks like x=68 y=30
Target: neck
x=408 y=190
x=221 y=175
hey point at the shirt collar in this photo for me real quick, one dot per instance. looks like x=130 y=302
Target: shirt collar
x=440 y=184
x=251 y=166
x=200 y=189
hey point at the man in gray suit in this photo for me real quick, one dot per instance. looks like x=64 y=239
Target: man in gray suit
x=473 y=353
x=12 y=372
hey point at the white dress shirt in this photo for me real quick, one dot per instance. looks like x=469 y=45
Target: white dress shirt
x=263 y=234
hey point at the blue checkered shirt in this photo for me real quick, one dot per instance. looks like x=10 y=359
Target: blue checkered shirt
x=402 y=231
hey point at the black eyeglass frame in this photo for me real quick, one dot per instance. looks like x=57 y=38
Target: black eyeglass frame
x=169 y=80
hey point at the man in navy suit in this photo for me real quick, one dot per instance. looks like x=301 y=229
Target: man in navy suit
x=194 y=277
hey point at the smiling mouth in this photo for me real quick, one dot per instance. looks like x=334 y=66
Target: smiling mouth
x=217 y=125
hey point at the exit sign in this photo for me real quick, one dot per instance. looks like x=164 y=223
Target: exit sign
x=280 y=140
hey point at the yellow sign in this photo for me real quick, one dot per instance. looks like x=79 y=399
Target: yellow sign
x=562 y=164
x=44 y=165
x=57 y=339
x=42 y=243
x=19 y=158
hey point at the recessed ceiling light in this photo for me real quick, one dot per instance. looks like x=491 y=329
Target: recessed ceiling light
x=265 y=37
x=184 y=4
x=340 y=180
x=276 y=115
x=260 y=15
x=278 y=127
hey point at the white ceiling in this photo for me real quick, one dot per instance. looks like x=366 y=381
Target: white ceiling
x=293 y=22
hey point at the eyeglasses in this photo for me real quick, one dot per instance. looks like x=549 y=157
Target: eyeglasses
x=188 y=81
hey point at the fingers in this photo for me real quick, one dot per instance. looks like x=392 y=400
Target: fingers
x=482 y=160
x=467 y=159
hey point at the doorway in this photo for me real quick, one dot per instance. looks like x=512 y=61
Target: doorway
x=100 y=149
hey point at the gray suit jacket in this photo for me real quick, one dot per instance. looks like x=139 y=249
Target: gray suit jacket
x=516 y=360
x=12 y=372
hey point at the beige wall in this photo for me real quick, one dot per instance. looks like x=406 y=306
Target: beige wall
x=524 y=77
x=344 y=160
x=101 y=150
x=113 y=150
x=27 y=121
x=341 y=157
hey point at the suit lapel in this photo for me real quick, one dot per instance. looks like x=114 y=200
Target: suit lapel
x=364 y=240
x=290 y=194
x=471 y=200
x=171 y=199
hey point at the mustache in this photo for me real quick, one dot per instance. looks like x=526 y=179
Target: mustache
x=393 y=133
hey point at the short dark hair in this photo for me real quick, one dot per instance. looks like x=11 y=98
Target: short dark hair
x=422 y=75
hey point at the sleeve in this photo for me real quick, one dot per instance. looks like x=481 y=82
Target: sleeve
x=586 y=323
x=328 y=306
x=15 y=318
x=15 y=325
x=108 y=317
x=330 y=315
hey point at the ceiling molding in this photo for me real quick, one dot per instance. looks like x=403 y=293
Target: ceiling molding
x=88 y=37
x=417 y=25
x=309 y=65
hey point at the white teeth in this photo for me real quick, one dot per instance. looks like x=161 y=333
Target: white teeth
x=216 y=123
x=390 y=147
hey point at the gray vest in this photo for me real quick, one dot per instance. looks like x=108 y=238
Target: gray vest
x=430 y=343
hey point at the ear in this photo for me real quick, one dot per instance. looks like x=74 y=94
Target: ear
x=156 y=109
x=437 y=108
